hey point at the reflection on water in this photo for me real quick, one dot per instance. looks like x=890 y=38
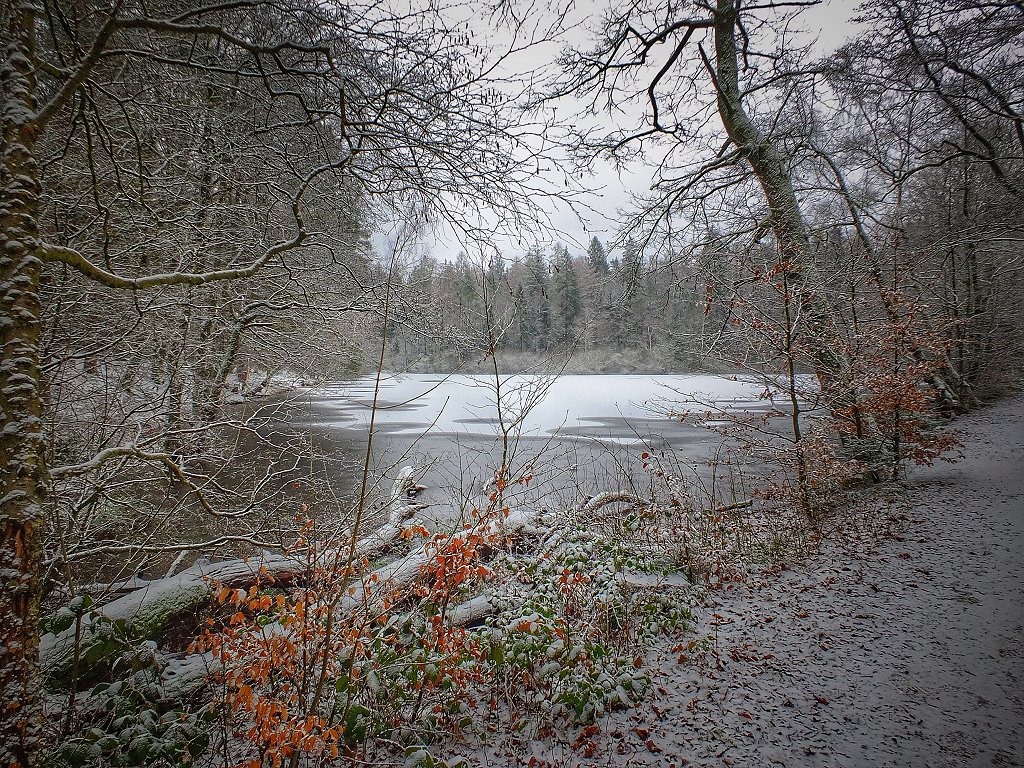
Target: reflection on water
x=577 y=435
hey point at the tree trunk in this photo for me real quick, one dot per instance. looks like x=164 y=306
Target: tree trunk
x=22 y=467
x=785 y=218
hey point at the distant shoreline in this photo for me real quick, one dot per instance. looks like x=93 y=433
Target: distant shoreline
x=617 y=363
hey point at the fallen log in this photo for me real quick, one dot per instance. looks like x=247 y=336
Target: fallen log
x=604 y=499
x=380 y=590
x=145 y=611
x=184 y=676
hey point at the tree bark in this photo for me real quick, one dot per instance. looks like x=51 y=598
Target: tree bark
x=786 y=219
x=784 y=215
x=22 y=463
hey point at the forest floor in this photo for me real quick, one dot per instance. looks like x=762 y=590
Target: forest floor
x=900 y=642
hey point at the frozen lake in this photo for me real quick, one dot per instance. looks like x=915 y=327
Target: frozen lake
x=605 y=408
x=578 y=435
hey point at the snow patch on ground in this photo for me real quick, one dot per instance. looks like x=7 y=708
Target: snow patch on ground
x=899 y=643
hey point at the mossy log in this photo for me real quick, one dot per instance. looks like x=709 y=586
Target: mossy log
x=144 y=612
x=184 y=676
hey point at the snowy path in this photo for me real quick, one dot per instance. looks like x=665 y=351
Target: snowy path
x=904 y=650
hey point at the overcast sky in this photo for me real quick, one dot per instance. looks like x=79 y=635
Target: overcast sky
x=830 y=22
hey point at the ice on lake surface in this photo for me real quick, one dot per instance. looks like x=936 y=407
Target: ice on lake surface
x=584 y=407
x=579 y=434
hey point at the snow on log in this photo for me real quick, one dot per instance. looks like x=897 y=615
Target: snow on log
x=402 y=573
x=473 y=611
x=184 y=676
x=604 y=499
x=148 y=609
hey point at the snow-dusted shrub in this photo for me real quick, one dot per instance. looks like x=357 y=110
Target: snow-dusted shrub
x=343 y=665
x=572 y=647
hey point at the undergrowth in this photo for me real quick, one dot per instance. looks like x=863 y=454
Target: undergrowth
x=344 y=666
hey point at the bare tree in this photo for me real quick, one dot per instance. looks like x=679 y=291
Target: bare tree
x=678 y=71
x=178 y=180
x=932 y=96
x=749 y=138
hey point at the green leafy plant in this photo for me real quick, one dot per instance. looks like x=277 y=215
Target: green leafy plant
x=128 y=723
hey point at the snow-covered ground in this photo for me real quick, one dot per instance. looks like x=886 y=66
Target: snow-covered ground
x=899 y=643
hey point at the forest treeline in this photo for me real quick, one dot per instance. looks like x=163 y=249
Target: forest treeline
x=589 y=313
x=189 y=194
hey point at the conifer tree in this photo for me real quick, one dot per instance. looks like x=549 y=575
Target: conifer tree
x=566 y=300
x=533 y=305
x=597 y=256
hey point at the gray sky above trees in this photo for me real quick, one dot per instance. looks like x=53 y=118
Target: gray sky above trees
x=608 y=190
